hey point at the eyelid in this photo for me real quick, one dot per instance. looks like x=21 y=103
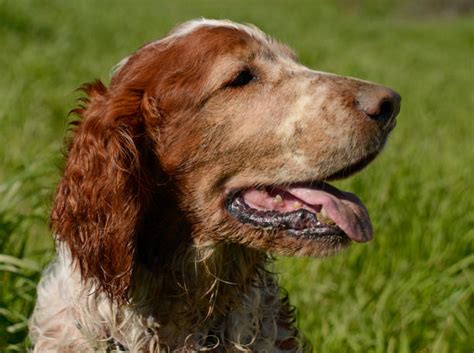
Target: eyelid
x=245 y=74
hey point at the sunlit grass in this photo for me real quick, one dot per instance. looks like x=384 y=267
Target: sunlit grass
x=409 y=290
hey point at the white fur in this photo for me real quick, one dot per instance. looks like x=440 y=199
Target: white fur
x=71 y=316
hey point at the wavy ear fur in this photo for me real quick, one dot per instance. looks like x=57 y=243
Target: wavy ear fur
x=108 y=182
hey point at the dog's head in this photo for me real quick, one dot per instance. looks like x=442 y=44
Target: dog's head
x=216 y=133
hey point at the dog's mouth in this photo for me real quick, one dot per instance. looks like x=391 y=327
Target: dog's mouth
x=309 y=210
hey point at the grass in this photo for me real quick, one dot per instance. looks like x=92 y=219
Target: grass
x=409 y=290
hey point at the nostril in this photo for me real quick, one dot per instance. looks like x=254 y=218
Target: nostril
x=385 y=111
x=380 y=104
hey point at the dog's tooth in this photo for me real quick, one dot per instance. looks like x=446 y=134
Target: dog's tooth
x=324 y=218
x=297 y=205
x=277 y=200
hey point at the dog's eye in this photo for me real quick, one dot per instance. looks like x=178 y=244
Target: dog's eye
x=243 y=78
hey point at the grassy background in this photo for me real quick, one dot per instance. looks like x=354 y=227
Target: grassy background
x=410 y=289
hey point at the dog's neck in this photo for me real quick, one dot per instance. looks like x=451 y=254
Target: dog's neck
x=200 y=285
x=177 y=280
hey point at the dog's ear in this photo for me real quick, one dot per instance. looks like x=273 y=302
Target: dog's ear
x=109 y=180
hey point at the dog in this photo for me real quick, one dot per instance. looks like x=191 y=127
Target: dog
x=209 y=152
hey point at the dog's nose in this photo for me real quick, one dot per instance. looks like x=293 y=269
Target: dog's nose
x=379 y=103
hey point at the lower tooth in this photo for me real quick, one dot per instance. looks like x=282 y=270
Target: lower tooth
x=324 y=218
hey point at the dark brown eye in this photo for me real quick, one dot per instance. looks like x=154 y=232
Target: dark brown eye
x=243 y=78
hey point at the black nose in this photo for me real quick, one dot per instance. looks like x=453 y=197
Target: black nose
x=379 y=103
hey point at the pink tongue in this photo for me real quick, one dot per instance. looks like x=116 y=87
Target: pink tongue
x=344 y=208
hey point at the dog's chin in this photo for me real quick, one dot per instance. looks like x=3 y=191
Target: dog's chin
x=303 y=218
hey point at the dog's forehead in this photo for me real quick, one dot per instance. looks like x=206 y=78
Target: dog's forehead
x=225 y=30
x=193 y=25
x=217 y=37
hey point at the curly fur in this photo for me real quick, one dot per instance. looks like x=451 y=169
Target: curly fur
x=74 y=316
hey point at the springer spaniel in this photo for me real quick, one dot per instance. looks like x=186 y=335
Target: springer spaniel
x=209 y=150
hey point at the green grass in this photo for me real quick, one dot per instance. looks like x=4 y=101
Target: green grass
x=409 y=290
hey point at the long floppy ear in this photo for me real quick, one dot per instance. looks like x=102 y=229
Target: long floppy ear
x=108 y=181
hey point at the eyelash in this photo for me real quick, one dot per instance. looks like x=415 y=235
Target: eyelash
x=243 y=78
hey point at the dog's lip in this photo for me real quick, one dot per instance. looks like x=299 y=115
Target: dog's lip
x=317 y=208
x=343 y=208
x=301 y=223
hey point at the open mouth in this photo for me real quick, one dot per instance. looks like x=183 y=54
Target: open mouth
x=312 y=210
